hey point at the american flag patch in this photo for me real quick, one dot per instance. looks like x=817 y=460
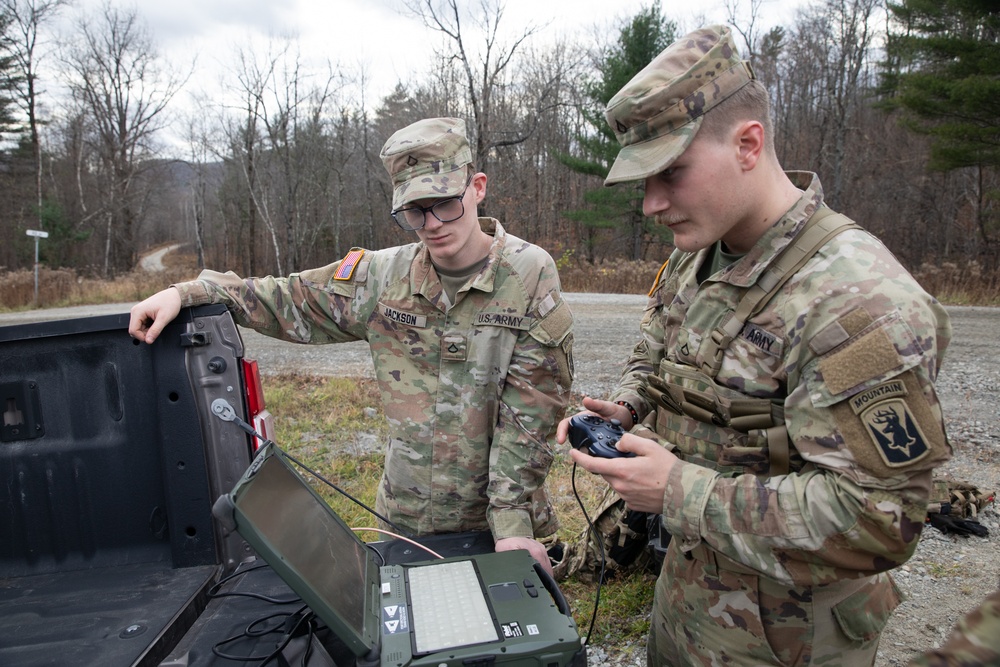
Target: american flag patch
x=348 y=264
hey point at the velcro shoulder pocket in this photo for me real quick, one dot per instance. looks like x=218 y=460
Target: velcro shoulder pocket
x=881 y=351
x=875 y=389
x=554 y=324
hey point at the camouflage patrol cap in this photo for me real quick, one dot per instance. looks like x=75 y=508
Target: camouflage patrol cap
x=427 y=159
x=656 y=115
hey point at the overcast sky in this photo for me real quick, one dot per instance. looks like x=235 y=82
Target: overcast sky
x=377 y=34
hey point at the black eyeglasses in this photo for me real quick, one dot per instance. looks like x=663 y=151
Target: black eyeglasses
x=411 y=218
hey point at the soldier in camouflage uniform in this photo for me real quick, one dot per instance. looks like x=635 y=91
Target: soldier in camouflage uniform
x=975 y=641
x=470 y=338
x=781 y=398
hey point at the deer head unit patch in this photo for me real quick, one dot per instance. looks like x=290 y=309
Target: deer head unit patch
x=895 y=432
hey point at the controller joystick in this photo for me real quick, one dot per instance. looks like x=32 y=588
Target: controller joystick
x=597 y=436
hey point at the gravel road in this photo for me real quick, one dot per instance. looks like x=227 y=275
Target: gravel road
x=947 y=576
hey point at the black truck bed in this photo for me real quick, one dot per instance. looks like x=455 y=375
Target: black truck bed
x=109 y=464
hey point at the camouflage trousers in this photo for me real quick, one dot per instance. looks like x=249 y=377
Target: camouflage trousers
x=709 y=610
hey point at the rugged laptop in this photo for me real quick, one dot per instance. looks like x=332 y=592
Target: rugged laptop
x=498 y=608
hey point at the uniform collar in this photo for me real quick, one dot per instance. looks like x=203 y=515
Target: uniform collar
x=748 y=269
x=424 y=279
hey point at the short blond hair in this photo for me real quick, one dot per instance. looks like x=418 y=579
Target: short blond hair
x=751 y=102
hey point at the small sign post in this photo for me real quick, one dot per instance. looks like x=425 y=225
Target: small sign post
x=38 y=235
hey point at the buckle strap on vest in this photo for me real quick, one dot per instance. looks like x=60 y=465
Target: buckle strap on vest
x=822 y=226
x=778 y=451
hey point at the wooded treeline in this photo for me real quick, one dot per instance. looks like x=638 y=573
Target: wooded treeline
x=280 y=167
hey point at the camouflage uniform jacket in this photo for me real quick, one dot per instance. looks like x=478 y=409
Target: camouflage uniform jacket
x=471 y=392
x=848 y=345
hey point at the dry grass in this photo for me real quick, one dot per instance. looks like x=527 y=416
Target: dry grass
x=609 y=277
x=960 y=284
x=951 y=283
x=66 y=287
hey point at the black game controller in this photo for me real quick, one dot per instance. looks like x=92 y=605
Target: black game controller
x=597 y=436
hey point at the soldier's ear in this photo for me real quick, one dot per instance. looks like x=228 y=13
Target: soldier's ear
x=748 y=139
x=478 y=185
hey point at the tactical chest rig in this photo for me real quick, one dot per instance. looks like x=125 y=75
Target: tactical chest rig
x=716 y=426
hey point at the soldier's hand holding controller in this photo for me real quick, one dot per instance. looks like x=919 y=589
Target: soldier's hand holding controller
x=596 y=435
x=640 y=480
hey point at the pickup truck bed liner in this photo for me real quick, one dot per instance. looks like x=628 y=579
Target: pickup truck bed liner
x=109 y=464
x=124 y=615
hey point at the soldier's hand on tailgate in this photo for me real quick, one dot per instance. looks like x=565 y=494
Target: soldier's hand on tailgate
x=639 y=480
x=148 y=318
x=533 y=547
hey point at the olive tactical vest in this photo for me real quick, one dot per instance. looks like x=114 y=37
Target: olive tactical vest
x=716 y=426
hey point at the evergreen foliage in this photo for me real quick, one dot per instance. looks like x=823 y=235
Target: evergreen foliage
x=639 y=41
x=943 y=69
x=9 y=80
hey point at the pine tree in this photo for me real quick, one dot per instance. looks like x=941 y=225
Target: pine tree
x=9 y=79
x=943 y=70
x=620 y=207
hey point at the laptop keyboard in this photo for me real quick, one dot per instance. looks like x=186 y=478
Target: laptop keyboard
x=448 y=607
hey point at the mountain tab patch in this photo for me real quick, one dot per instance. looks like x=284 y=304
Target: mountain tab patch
x=890 y=424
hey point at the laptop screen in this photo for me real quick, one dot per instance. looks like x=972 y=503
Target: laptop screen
x=309 y=539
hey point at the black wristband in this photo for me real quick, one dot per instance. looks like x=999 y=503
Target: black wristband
x=631 y=410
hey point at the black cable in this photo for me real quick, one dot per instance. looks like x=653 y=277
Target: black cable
x=377 y=553
x=232 y=575
x=214 y=592
x=301 y=615
x=600 y=546
x=252 y=631
x=308 y=618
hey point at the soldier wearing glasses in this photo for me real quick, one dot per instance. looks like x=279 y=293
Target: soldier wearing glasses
x=470 y=337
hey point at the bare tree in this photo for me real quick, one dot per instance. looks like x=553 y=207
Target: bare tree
x=244 y=138
x=117 y=79
x=486 y=69
x=850 y=76
x=748 y=27
x=828 y=73
x=201 y=159
x=280 y=149
x=295 y=132
x=531 y=189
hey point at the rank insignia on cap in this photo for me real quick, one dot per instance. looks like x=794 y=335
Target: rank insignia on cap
x=895 y=433
x=348 y=264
